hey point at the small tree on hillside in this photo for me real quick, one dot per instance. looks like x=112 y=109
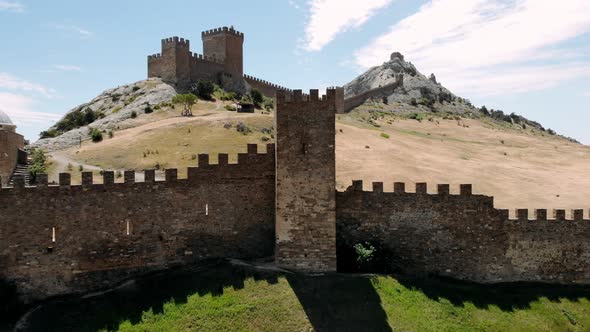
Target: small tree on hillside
x=203 y=89
x=187 y=100
x=257 y=97
x=38 y=164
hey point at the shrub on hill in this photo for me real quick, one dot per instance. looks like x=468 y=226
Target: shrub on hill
x=96 y=135
x=76 y=119
x=203 y=89
x=38 y=164
x=257 y=97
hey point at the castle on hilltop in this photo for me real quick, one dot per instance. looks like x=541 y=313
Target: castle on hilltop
x=281 y=204
x=222 y=62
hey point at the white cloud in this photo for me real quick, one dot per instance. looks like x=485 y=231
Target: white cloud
x=10 y=82
x=11 y=6
x=328 y=18
x=294 y=4
x=587 y=93
x=501 y=43
x=67 y=67
x=21 y=109
x=82 y=32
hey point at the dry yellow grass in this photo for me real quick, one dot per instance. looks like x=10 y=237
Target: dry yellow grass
x=520 y=168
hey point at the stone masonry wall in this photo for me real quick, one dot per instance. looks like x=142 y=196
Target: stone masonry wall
x=355 y=101
x=266 y=88
x=10 y=142
x=463 y=236
x=62 y=239
x=305 y=181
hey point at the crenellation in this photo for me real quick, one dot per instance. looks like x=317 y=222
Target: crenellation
x=578 y=214
x=421 y=188
x=466 y=189
x=443 y=189
x=378 y=187
x=87 y=178
x=42 y=180
x=522 y=214
x=541 y=214
x=399 y=187
x=65 y=179
x=129 y=177
x=559 y=214
x=171 y=175
x=149 y=175
x=108 y=178
x=203 y=160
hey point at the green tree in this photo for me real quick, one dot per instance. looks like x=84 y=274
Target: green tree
x=187 y=101
x=257 y=97
x=203 y=89
x=38 y=164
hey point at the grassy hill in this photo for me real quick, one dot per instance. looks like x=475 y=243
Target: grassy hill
x=236 y=297
x=523 y=167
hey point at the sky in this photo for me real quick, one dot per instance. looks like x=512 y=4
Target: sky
x=531 y=57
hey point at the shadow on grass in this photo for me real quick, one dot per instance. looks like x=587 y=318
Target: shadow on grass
x=130 y=300
x=332 y=302
x=506 y=296
x=340 y=302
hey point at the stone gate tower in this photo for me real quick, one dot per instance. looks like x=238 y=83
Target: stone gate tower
x=305 y=181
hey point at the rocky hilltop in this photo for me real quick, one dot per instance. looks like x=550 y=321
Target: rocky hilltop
x=414 y=88
x=107 y=110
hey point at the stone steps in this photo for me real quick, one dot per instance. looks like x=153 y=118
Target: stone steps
x=21 y=170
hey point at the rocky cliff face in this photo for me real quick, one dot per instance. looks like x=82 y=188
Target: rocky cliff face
x=112 y=107
x=415 y=85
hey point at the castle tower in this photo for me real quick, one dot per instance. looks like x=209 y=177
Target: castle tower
x=305 y=181
x=173 y=64
x=225 y=44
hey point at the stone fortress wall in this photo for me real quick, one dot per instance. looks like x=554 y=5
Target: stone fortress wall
x=64 y=238
x=463 y=236
x=61 y=239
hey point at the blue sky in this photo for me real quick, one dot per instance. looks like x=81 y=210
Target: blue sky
x=531 y=57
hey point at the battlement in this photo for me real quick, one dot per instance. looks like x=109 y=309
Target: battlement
x=557 y=215
x=168 y=42
x=201 y=57
x=205 y=170
x=297 y=96
x=153 y=57
x=222 y=30
x=466 y=191
x=421 y=188
x=260 y=81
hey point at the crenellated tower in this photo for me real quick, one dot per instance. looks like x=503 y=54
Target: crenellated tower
x=173 y=64
x=305 y=180
x=226 y=45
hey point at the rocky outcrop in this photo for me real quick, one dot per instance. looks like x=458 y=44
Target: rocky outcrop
x=116 y=105
x=414 y=85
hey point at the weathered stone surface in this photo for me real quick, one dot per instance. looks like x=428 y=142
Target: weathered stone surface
x=464 y=236
x=58 y=239
x=117 y=105
x=306 y=178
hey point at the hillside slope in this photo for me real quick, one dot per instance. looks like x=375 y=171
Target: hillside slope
x=522 y=168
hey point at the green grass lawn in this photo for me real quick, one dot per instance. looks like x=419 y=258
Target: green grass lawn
x=224 y=297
